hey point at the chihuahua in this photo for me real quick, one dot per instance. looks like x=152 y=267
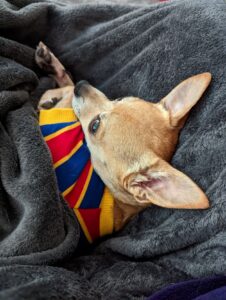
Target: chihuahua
x=131 y=141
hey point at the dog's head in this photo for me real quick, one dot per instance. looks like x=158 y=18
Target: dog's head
x=131 y=141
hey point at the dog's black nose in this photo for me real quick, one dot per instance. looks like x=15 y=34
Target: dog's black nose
x=79 y=85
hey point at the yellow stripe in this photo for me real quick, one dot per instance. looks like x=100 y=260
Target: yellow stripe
x=106 y=213
x=56 y=115
x=67 y=191
x=84 y=187
x=83 y=225
x=53 y=135
x=67 y=157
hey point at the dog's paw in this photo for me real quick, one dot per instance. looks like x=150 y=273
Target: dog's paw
x=49 y=103
x=48 y=62
x=43 y=58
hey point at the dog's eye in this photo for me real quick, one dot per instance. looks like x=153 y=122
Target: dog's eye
x=94 y=125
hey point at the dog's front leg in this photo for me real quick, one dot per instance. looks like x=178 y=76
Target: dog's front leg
x=57 y=98
x=60 y=97
x=48 y=62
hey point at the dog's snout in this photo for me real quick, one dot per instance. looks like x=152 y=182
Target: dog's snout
x=80 y=86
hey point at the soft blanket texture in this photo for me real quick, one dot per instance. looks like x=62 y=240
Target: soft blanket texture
x=123 y=50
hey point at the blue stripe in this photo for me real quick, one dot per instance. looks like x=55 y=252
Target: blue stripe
x=70 y=170
x=94 y=192
x=51 y=128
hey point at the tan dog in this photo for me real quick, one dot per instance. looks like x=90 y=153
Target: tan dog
x=131 y=141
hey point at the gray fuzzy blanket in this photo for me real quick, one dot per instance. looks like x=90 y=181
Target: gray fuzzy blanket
x=123 y=50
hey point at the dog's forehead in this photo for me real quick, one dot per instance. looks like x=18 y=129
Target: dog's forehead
x=124 y=123
x=133 y=111
x=135 y=126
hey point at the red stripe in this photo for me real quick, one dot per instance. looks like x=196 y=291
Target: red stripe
x=91 y=218
x=74 y=194
x=62 y=144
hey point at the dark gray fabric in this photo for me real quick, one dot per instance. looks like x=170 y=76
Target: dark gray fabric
x=141 y=51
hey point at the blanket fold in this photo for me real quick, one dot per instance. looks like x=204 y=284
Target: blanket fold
x=143 y=51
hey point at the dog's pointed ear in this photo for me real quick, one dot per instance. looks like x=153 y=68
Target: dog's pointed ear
x=184 y=96
x=165 y=186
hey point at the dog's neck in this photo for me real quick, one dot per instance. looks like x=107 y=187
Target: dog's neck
x=123 y=213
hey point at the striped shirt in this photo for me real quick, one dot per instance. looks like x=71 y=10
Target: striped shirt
x=78 y=183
